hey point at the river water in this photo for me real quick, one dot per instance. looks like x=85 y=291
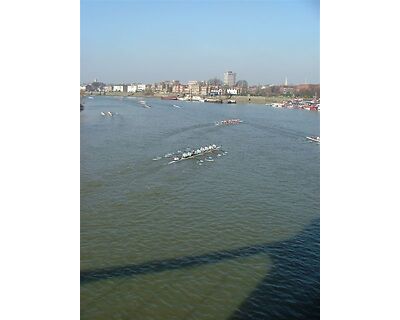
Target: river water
x=232 y=238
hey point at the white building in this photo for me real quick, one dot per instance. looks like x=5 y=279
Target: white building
x=215 y=92
x=132 y=88
x=230 y=78
x=120 y=88
x=141 y=87
x=232 y=91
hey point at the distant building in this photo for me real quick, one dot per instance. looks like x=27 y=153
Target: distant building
x=230 y=78
x=232 y=91
x=194 y=87
x=204 y=90
x=215 y=92
x=108 y=88
x=158 y=87
x=286 y=90
x=120 y=88
x=141 y=87
x=179 y=88
x=132 y=88
x=252 y=89
x=83 y=87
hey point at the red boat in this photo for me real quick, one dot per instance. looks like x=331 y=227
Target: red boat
x=169 y=98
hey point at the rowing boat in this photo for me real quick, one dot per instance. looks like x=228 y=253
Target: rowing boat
x=314 y=138
x=228 y=122
x=177 y=158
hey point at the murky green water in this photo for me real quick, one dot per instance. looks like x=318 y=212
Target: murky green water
x=176 y=241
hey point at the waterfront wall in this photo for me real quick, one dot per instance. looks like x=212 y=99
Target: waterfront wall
x=239 y=99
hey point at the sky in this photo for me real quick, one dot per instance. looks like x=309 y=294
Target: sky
x=263 y=41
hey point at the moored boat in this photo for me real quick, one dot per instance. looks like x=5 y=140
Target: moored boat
x=169 y=98
x=213 y=100
x=196 y=98
x=185 y=98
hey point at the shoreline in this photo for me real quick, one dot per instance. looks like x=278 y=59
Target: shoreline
x=239 y=99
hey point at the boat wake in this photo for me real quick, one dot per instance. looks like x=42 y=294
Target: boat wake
x=189 y=128
x=277 y=130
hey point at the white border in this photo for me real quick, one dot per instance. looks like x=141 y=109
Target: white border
x=40 y=160
x=359 y=160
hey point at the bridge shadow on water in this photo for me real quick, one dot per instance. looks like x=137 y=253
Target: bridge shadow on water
x=289 y=291
x=291 y=288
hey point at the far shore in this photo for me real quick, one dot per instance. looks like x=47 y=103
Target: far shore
x=239 y=99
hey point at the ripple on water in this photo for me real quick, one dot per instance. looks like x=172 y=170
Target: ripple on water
x=262 y=191
x=207 y=292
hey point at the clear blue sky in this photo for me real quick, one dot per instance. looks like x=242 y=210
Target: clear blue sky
x=263 y=41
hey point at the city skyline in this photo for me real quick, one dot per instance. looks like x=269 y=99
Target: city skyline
x=150 y=41
x=284 y=82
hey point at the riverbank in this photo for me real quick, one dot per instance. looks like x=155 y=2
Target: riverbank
x=239 y=99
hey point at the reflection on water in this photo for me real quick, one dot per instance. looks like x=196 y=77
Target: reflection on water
x=238 y=237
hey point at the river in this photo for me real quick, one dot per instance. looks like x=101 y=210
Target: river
x=232 y=238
